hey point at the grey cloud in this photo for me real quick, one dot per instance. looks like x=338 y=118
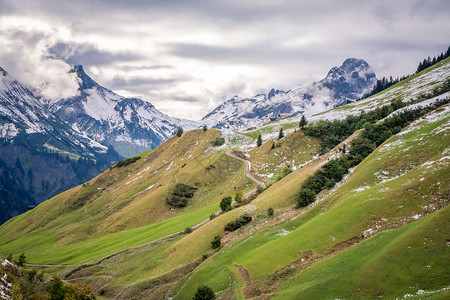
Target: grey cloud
x=140 y=68
x=142 y=85
x=189 y=99
x=119 y=82
x=87 y=54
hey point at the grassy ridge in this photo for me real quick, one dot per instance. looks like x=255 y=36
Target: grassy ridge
x=127 y=204
x=345 y=214
x=391 y=264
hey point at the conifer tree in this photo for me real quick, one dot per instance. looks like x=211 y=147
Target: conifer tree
x=180 y=131
x=259 y=141
x=303 y=122
x=280 y=134
x=205 y=128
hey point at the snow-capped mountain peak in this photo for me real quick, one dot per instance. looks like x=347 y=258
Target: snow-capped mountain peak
x=130 y=125
x=342 y=84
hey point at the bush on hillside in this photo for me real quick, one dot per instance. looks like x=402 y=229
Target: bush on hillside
x=225 y=204
x=270 y=211
x=218 y=142
x=216 y=241
x=259 y=141
x=125 y=162
x=180 y=131
x=239 y=197
x=305 y=197
x=204 y=293
x=238 y=223
x=181 y=195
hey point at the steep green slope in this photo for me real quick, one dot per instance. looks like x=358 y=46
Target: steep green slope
x=366 y=204
x=396 y=196
x=128 y=204
x=410 y=260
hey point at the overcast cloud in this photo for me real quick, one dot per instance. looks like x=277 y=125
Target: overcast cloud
x=187 y=57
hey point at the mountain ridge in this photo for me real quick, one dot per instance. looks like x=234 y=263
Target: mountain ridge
x=130 y=125
x=341 y=85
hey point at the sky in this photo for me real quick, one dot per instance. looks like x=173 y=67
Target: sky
x=187 y=57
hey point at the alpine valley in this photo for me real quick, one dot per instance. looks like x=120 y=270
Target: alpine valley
x=101 y=127
x=350 y=202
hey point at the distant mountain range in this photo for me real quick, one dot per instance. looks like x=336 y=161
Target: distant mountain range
x=48 y=146
x=130 y=125
x=40 y=155
x=342 y=85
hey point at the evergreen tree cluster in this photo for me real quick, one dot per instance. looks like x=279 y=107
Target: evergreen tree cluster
x=126 y=162
x=385 y=83
x=374 y=134
x=428 y=62
x=333 y=132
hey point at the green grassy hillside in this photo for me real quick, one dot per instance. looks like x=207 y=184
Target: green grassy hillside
x=382 y=231
x=128 y=204
x=366 y=204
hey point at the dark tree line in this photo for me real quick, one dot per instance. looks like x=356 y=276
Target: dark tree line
x=374 y=135
x=333 y=132
x=385 y=83
x=428 y=62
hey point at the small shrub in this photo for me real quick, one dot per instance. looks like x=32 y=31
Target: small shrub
x=181 y=194
x=225 y=204
x=210 y=167
x=204 y=293
x=205 y=128
x=205 y=256
x=239 y=197
x=286 y=171
x=303 y=122
x=259 y=141
x=125 y=162
x=212 y=216
x=180 y=132
x=216 y=241
x=188 y=230
x=305 y=197
x=218 y=142
x=260 y=189
x=238 y=223
x=270 y=211
x=281 y=134
x=22 y=260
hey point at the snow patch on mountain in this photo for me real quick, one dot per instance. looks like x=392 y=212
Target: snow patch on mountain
x=342 y=85
x=130 y=125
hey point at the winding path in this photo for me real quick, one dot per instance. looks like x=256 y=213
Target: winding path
x=196 y=226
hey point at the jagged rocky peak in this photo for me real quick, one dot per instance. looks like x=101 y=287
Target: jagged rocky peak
x=351 y=80
x=86 y=82
x=351 y=68
x=274 y=92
